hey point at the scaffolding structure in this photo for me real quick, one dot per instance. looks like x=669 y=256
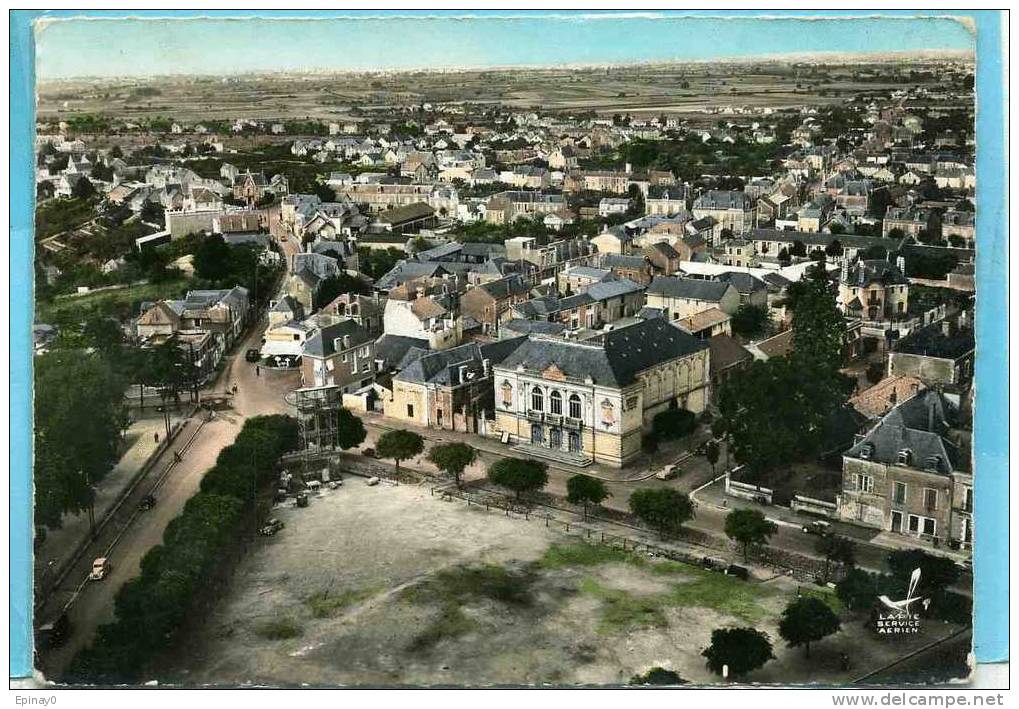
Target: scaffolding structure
x=318 y=420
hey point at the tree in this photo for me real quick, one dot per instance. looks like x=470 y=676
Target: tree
x=83 y=188
x=807 y=620
x=340 y=284
x=519 y=475
x=658 y=676
x=584 y=489
x=212 y=258
x=664 y=509
x=711 y=452
x=798 y=248
x=350 y=430
x=836 y=549
x=783 y=256
x=742 y=650
x=748 y=527
x=858 y=590
x=453 y=458
x=399 y=445
x=749 y=320
x=936 y=572
x=673 y=424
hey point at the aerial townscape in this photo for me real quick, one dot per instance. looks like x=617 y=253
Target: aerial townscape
x=637 y=374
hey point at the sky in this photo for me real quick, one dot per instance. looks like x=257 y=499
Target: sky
x=218 y=45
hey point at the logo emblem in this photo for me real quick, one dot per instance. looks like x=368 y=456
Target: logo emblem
x=898 y=618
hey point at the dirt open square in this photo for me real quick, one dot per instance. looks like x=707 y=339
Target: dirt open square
x=389 y=585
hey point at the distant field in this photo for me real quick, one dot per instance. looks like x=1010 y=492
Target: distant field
x=686 y=89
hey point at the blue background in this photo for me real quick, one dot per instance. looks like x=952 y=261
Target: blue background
x=991 y=415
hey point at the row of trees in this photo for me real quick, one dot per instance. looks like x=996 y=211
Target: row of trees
x=178 y=574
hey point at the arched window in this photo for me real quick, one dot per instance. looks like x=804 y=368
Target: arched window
x=575 y=406
x=537 y=399
x=507 y=394
x=555 y=404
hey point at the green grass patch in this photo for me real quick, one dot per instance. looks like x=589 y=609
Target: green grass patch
x=559 y=556
x=325 y=604
x=622 y=611
x=282 y=628
x=449 y=624
x=468 y=583
x=721 y=593
x=116 y=301
x=827 y=595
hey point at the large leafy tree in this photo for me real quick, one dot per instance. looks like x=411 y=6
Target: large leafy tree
x=748 y=528
x=79 y=417
x=519 y=475
x=807 y=620
x=836 y=549
x=585 y=490
x=858 y=590
x=453 y=458
x=936 y=572
x=350 y=430
x=742 y=650
x=664 y=509
x=399 y=445
x=749 y=320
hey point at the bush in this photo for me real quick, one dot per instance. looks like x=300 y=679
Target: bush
x=673 y=424
x=952 y=607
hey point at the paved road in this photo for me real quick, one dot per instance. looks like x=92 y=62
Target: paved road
x=139 y=532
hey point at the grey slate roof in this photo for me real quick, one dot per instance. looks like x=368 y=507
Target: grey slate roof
x=688 y=288
x=519 y=326
x=392 y=349
x=323 y=343
x=614 y=359
x=441 y=367
x=743 y=282
x=918 y=425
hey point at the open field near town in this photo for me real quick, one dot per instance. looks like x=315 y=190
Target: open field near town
x=679 y=88
x=389 y=585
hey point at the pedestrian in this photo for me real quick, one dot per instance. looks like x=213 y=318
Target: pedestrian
x=258 y=371
x=156 y=435
x=235 y=388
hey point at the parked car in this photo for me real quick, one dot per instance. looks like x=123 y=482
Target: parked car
x=369 y=453
x=668 y=472
x=711 y=562
x=818 y=527
x=253 y=355
x=373 y=480
x=100 y=568
x=302 y=499
x=147 y=503
x=314 y=485
x=270 y=527
x=740 y=572
x=53 y=634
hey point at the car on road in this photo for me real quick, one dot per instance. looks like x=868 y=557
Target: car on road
x=100 y=569
x=369 y=453
x=147 y=503
x=253 y=355
x=270 y=527
x=372 y=481
x=818 y=527
x=668 y=472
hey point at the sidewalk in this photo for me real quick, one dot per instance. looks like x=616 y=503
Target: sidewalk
x=61 y=544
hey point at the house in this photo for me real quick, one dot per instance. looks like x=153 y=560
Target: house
x=938 y=355
x=613 y=240
x=505 y=207
x=681 y=297
x=752 y=290
x=959 y=229
x=286 y=339
x=489 y=303
x=706 y=323
x=451 y=389
x=365 y=310
x=341 y=355
x=910 y=221
x=728 y=357
x=596 y=306
x=664 y=258
x=878 y=400
x=732 y=210
x=576 y=279
x=816 y=214
x=637 y=268
x=250 y=187
x=584 y=401
x=424 y=311
x=410 y=218
x=910 y=474
x=873 y=290
x=609 y=206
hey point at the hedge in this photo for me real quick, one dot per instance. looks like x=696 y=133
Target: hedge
x=672 y=424
x=151 y=607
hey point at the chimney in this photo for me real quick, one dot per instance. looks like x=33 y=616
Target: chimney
x=946 y=328
x=930 y=414
x=486 y=367
x=419 y=292
x=629 y=168
x=860 y=273
x=900 y=263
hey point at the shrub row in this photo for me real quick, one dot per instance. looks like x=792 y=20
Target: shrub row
x=175 y=574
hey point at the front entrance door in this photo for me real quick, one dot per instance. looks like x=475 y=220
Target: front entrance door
x=555 y=438
x=537 y=434
x=574 y=442
x=897 y=522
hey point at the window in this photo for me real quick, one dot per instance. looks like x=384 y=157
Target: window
x=905 y=457
x=864 y=483
x=507 y=394
x=967 y=500
x=929 y=526
x=897 y=522
x=537 y=399
x=930 y=498
x=410 y=411
x=900 y=492
x=344 y=357
x=555 y=404
x=297 y=337
x=329 y=365
x=575 y=412
x=914 y=524
x=364 y=351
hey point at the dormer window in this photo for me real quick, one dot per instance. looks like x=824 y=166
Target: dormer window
x=867 y=451
x=904 y=457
